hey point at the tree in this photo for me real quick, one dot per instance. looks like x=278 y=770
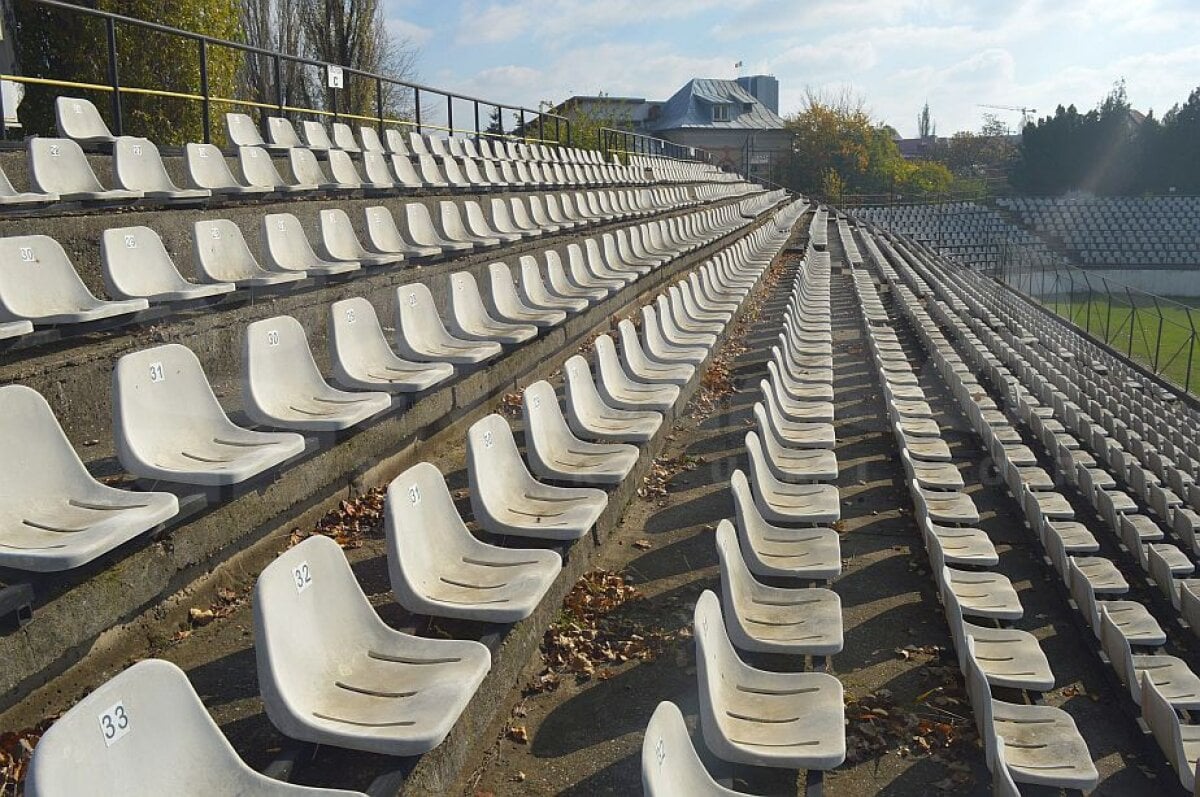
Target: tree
x=926 y=127
x=66 y=46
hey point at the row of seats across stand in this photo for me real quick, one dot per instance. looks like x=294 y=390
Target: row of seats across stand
x=330 y=671
x=1122 y=467
x=784 y=510
x=59 y=171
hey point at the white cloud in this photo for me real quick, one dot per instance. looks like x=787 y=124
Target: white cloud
x=404 y=29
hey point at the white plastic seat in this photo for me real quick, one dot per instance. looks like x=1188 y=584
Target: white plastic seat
x=948 y=508
x=987 y=595
x=799 y=411
x=286 y=248
x=506 y=499
x=554 y=452
x=774 y=551
x=39 y=284
x=1042 y=744
x=1179 y=742
x=346 y=175
x=168 y=425
x=469 y=318
x=764 y=619
x=506 y=303
x=332 y=672
x=80 y=120
x=137 y=166
x=421 y=335
x=792 y=720
x=58 y=166
x=1009 y=657
x=796 y=465
x=438 y=568
x=258 y=169
x=306 y=170
x=618 y=390
x=220 y=253
x=340 y=243
x=145 y=732
x=536 y=293
x=796 y=434
x=11 y=197
x=384 y=236
x=670 y=765
x=590 y=417
x=343 y=137
x=453 y=228
x=1131 y=618
x=663 y=350
x=785 y=502
x=206 y=168
x=282 y=386
x=243 y=132
x=281 y=132
x=645 y=369
x=54 y=515
x=932 y=475
x=362 y=358
x=136 y=265
x=314 y=135
x=421 y=229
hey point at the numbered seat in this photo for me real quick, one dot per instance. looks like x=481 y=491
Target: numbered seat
x=785 y=502
x=145 y=732
x=58 y=166
x=340 y=243
x=469 y=318
x=285 y=248
x=792 y=720
x=220 y=254
x=332 y=672
x=137 y=166
x=505 y=302
x=555 y=453
x=243 y=132
x=506 y=499
x=281 y=132
x=384 y=236
x=258 y=169
x=168 y=425
x=79 y=119
x=421 y=335
x=766 y=619
x=206 y=168
x=363 y=360
x=282 y=386
x=438 y=568
x=618 y=390
x=39 y=284
x=136 y=265
x=670 y=765
x=590 y=417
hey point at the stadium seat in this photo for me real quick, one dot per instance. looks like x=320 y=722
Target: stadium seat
x=282 y=386
x=220 y=253
x=786 y=462
x=58 y=166
x=1179 y=741
x=207 y=169
x=764 y=619
x=384 y=236
x=339 y=242
x=505 y=302
x=1009 y=657
x=478 y=225
x=146 y=726
x=137 y=166
x=282 y=134
x=362 y=358
x=332 y=672
x=79 y=120
x=306 y=170
x=645 y=369
x=469 y=319
x=169 y=426
x=243 y=132
x=796 y=434
x=812 y=554
x=662 y=349
x=437 y=568
x=343 y=137
x=536 y=293
x=39 y=284
x=785 y=502
x=980 y=594
x=423 y=233
x=556 y=454
x=451 y=227
x=285 y=248
x=346 y=176
x=618 y=390
x=422 y=336
x=379 y=175
x=136 y=265
x=259 y=170
x=670 y=765
x=314 y=136
x=1170 y=675
x=507 y=500
x=591 y=418
x=793 y=720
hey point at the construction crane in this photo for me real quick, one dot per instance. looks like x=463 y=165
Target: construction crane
x=1025 y=112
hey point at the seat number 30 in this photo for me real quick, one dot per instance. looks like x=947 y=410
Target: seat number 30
x=114 y=723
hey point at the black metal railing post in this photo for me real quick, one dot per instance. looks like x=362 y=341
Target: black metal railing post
x=476 y=108
x=417 y=108
x=207 y=102
x=114 y=74
x=521 y=123
x=449 y=115
x=379 y=104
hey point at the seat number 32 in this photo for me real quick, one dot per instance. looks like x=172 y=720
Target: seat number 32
x=114 y=723
x=302 y=576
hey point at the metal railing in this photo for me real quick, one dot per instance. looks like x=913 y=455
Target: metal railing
x=117 y=25
x=626 y=142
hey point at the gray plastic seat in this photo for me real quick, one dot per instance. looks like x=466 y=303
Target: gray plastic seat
x=384 y=236
x=555 y=453
x=243 y=132
x=39 y=284
x=137 y=166
x=618 y=390
x=592 y=418
x=785 y=502
x=1179 y=741
x=421 y=335
x=506 y=499
x=947 y=508
x=345 y=175
x=343 y=137
x=206 y=168
x=58 y=166
x=453 y=228
x=1131 y=617
x=145 y=733
x=764 y=619
x=281 y=133
x=54 y=516
x=1042 y=745
x=793 y=720
x=438 y=568
x=469 y=319
x=1170 y=675
x=987 y=595
x=168 y=425
x=362 y=358
x=1009 y=657
x=258 y=169
x=220 y=253
x=79 y=119
x=282 y=386
x=340 y=243
x=807 y=553
x=332 y=672
x=670 y=765
x=285 y=248
x=661 y=349
x=314 y=135
x=306 y=170
x=506 y=303
x=645 y=369
x=136 y=265
x=379 y=175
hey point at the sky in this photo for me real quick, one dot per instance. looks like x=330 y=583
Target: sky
x=894 y=54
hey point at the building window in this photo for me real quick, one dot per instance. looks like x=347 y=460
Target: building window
x=721 y=113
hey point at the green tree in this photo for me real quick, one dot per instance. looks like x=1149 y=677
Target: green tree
x=65 y=46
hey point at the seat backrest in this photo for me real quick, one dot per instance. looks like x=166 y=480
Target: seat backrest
x=423 y=529
x=242 y=130
x=376 y=169
x=338 y=236
x=284 y=241
x=37 y=279
x=420 y=224
x=50 y=467
x=395 y=141
x=737 y=583
x=495 y=470
x=79 y=119
x=282 y=133
x=278 y=365
x=1116 y=646
x=137 y=166
x=343 y=137
x=978 y=691
x=315 y=135
x=716 y=660
x=305 y=168
x=1003 y=784
x=258 y=168
x=206 y=167
x=135 y=263
x=1164 y=723
x=355 y=335
x=58 y=166
x=670 y=765
x=370 y=139
x=342 y=168
x=382 y=231
x=220 y=252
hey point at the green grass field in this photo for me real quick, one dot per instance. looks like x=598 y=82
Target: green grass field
x=1114 y=323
